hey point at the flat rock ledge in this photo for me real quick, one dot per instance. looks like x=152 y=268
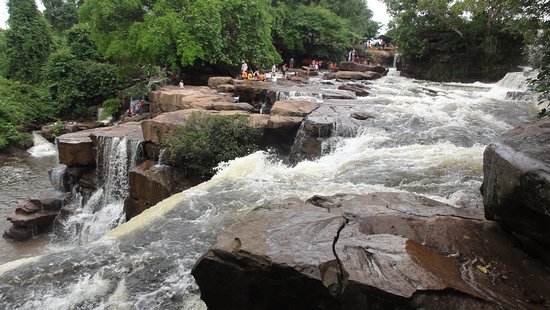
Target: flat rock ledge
x=516 y=185
x=377 y=251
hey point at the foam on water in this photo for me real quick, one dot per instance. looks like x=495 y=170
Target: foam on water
x=423 y=139
x=42 y=147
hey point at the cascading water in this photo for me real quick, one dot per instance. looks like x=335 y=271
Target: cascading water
x=417 y=141
x=42 y=147
x=104 y=210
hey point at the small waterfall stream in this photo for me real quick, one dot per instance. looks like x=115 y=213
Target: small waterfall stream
x=422 y=139
x=104 y=209
x=42 y=147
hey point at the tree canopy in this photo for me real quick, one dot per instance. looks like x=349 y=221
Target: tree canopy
x=483 y=39
x=28 y=40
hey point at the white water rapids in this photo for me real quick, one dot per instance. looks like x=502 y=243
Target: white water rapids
x=425 y=137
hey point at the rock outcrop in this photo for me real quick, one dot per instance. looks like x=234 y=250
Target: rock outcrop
x=149 y=184
x=34 y=217
x=516 y=185
x=354 y=66
x=378 y=251
x=353 y=75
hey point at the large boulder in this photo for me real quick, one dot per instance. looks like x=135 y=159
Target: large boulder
x=378 y=251
x=157 y=130
x=149 y=184
x=79 y=148
x=170 y=98
x=516 y=184
x=357 y=89
x=353 y=75
x=354 y=66
x=293 y=107
x=215 y=81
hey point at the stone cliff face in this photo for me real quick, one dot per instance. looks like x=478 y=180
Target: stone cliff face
x=516 y=185
x=380 y=251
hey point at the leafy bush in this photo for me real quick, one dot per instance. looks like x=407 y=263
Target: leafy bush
x=57 y=128
x=206 y=140
x=110 y=107
x=76 y=85
x=20 y=104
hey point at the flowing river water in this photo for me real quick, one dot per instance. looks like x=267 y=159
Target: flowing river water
x=425 y=137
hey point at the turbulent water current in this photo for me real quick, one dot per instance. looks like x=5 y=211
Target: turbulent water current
x=425 y=137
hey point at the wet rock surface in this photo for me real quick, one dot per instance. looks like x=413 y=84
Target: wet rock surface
x=34 y=217
x=379 y=251
x=151 y=183
x=516 y=186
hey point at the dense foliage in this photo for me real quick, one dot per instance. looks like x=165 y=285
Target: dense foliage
x=222 y=33
x=458 y=40
x=4 y=60
x=75 y=84
x=205 y=140
x=61 y=14
x=538 y=12
x=28 y=41
x=20 y=105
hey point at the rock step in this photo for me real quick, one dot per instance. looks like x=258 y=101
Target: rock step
x=27 y=208
x=17 y=233
x=38 y=218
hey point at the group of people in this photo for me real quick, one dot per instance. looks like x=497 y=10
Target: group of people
x=136 y=107
x=259 y=75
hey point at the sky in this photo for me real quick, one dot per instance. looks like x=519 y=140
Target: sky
x=378 y=8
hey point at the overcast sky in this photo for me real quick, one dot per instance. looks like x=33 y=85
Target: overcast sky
x=377 y=7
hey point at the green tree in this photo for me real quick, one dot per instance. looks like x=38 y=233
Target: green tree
x=76 y=85
x=61 y=14
x=180 y=34
x=21 y=105
x=80 y=42
x=312 y=31
x=457 y=40
x=28 y=40
x=4 y=60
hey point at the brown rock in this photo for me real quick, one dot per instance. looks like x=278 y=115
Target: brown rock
x=293 y=107
x=354 y=66
x=379 y=251
x=215 y=81
x=359 y=90
x=353 y=75
x=150 y=184
x=284 y=122
x=226 y=88
x=516 y=184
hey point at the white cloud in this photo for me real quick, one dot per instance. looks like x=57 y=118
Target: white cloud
x=3 y=14
x=379 y=14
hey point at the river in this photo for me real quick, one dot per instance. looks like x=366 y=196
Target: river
x=425 y=137
x=21 y=179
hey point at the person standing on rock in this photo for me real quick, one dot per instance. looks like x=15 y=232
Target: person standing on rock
x=291 y=63
x=273 y=70
x=351 y=55
x=244 y=67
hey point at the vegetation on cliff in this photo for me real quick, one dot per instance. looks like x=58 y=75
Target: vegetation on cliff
x=80 y=53
x=461 y=40
x=205 y=140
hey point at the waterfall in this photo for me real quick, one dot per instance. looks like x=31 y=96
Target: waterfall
x=104 y=210
x=42 y=147
x=57 y=178
x=299 y=95
x=162 y=154
x=393 y=70
x=515 y=80
x=429 y=144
